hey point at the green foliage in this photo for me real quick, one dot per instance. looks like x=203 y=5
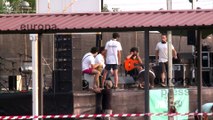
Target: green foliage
x=105 y=8
x=15 y=4
x=32 y=4
x=1 y=6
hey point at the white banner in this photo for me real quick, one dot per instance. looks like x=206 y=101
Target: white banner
x=159 y=103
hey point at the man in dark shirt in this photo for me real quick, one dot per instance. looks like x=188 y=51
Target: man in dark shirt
x=131 y=61
x=140 y=77
x=107 y=98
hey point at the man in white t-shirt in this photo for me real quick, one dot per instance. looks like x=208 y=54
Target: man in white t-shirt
x=162 y=57
x=100 y=59
x=89 y=66
x=113 y=58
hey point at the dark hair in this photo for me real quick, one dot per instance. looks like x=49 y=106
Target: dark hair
x=134 y=49
x=101 y=49
x=94 y=50
x=115 y=35
x=164 y=33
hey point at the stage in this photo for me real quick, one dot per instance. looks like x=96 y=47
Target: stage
x=85 y=102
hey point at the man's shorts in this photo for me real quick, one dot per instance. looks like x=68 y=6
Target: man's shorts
x=111 y=66
x=88 y=71
x=163 y=66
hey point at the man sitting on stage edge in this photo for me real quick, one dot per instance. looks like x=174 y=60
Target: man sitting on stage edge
x=132 y=60
x=89 y=67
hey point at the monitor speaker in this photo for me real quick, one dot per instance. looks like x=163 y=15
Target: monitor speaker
x=206 y=78
x=15 y=82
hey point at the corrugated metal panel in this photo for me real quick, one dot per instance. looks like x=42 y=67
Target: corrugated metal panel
x=106 y=21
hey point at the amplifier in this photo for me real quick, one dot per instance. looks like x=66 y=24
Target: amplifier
x=182 y=74
x=15 y=82
x=206 y=75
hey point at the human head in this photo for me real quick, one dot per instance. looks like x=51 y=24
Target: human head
x=108 y=84
x=101 y=49
x=134 y=49
x=94 y=51
x=164 y=38
x=115 y=35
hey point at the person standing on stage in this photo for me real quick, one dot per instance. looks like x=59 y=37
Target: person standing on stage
x=162 y=57
x=113 y=58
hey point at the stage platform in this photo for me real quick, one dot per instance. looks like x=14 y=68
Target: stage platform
x=86 y=102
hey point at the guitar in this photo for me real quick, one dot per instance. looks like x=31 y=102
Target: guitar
x=130 y=64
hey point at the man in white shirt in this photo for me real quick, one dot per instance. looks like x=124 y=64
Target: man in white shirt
x=162 y=57
x=100 y=59
x=113 y=58
x=89 y=66
x=206 y=108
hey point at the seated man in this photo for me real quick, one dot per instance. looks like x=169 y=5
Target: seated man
x=140 y=78
x=132 y=60
x=100 y=59
x=205 y=108
x=89 y=67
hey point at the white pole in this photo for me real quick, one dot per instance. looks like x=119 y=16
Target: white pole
x=194 y=4
x=193 y=48
x=35 y=102
x=171 y=86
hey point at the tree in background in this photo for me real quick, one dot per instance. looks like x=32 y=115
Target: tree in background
x=1 y=6
x=105 y=8
x=5 y=6
x=16 y=6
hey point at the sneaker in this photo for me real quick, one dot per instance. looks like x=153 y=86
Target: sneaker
x=115 y=87
x=163 y=84
x=141 y=86
x=151 y=87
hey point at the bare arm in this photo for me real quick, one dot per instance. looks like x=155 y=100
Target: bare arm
x=157 y=55
x=119 y=57
x=174 y=53
x=95 y=65
x=129 y=56
x=139 y=59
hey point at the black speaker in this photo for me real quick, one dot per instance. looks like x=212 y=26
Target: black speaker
x=206 y=78
x=65 y=65
x=62 y=80
x=67 y=73
x=191 y=37
x=12 y=83
x=178 y=73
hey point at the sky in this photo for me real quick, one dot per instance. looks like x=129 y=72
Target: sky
x=140 y=5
